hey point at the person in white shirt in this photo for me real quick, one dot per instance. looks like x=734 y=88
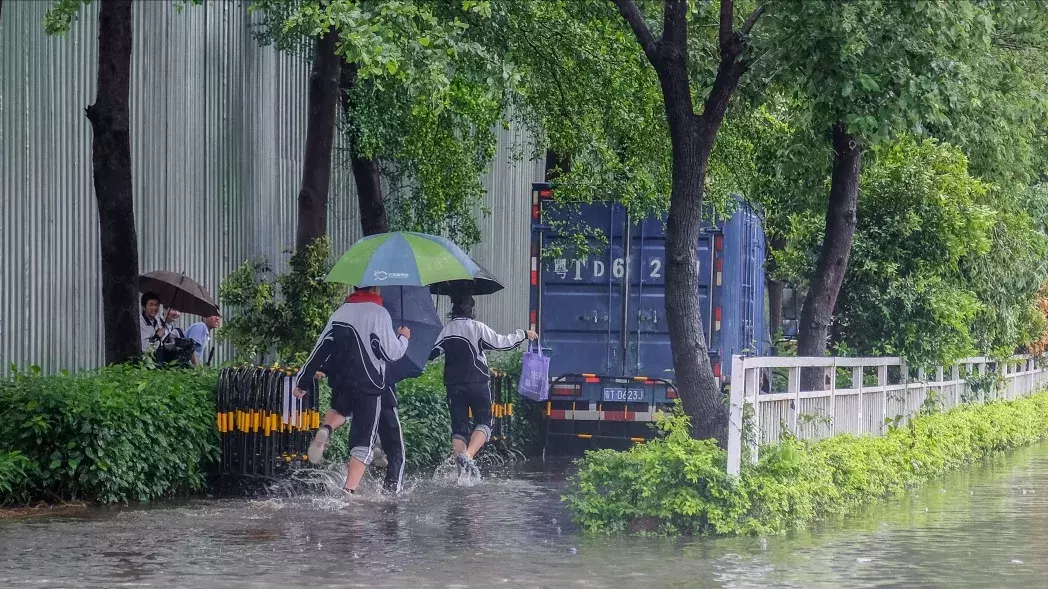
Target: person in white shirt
x=150 y=325
x=465 y=343
x=200 y=333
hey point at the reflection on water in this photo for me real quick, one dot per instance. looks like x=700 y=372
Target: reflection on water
x=983 y=528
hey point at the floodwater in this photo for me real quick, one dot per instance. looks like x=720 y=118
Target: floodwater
x=986 y=527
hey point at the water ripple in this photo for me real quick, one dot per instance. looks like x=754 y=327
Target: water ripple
x=981 y=528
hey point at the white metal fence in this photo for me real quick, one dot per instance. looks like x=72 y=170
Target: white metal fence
x=861 y=396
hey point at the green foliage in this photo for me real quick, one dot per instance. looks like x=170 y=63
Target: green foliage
x=589 y=91
x=281 y=315
x=1002 y=127
x=1007 y=278
x=13 y=468
x=879 y=66
x=678 y=485
x=61 y=14
x=920 y=216
x=114 y=435
x=424 y=101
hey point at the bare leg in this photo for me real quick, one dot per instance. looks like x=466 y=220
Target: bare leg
x=458 y=446
x=334 y=419
x=476 y=442
x=355 y=472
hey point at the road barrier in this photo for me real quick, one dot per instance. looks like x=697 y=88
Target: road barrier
x=262 y=427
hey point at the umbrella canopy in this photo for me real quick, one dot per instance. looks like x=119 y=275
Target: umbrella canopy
x=402 y=258
x=412 y=307
x=483 y=283
x=177 y=291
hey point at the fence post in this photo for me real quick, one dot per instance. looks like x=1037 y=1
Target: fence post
x=833 y=398
x=982 y=374
x=795 y=403
x=735 y=401
x=955 y=376
x=857 y=376
x=882 y=383
x=922 y=394
x=904 y=372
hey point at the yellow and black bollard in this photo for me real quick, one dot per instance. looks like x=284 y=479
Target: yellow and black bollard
x=262 y=428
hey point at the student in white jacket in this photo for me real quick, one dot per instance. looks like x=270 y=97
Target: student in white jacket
x=352 y=353
x=464 y=343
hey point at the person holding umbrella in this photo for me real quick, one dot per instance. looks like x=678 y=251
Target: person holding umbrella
x=352 y=353
x=150 y=325
x=413 y=308
x=398 y=258
x=181 y=294
x=464 y=342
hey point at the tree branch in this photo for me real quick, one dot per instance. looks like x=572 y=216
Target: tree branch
x=675 y=27
x=629 y=11
x=752 y=19
x=727 y=14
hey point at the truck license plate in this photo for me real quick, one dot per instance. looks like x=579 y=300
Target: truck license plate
x=623 y=395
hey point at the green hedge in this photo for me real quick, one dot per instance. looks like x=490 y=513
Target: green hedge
x=677 y=485
x=112 y=435
x=125 y=433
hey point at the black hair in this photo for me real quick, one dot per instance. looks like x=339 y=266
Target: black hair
x=149 y=296
x=462 y=306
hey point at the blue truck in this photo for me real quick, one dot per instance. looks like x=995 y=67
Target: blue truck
x=600 y=310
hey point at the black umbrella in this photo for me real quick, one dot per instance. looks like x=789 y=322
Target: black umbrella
x=482 y=284
x=177 y=291
x=412 y=307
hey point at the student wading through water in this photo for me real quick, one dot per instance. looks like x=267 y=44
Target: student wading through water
x=352 y=353
x=465 y=342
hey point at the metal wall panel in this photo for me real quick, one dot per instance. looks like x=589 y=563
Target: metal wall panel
x=218 y=125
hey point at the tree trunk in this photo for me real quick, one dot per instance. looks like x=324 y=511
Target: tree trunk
x=693 y=373
x=366 y=172
x=320 y=134
x=817 y=315
x=691 y=138
x=775 y=287
x=111 y=162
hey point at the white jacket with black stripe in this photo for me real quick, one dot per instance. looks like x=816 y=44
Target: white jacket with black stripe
x=353 y=349
x=464 y=343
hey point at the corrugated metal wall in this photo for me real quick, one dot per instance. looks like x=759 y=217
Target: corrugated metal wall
x=218 y=125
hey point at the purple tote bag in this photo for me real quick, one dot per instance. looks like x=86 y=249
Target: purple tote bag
x=534 y=375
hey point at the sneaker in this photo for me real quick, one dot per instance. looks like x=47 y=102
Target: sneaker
x=466 y=466
x=316 y=448
x=472 y=469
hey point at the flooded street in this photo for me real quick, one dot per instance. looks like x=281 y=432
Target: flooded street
x=987 y=527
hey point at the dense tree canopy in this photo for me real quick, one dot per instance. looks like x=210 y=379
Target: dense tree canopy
x=423 y=99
